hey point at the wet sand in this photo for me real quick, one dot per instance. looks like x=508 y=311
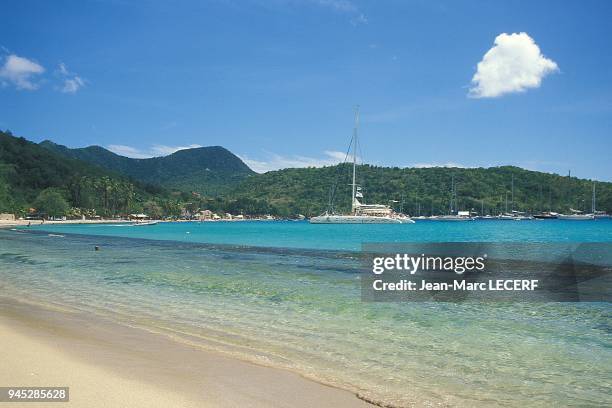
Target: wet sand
x=110 y=365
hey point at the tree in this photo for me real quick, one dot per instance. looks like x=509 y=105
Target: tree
x=6 y=200
x=153 y=210
x=51 y=202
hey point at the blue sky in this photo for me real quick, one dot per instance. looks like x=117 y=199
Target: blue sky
x=275 y=81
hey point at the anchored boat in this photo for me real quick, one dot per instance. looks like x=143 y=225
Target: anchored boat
x=361 y=213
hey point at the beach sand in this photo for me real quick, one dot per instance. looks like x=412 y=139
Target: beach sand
x=110 y=365
x=25 y=223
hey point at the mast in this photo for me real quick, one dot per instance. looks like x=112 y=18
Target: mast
x=506 y=201
x=354 y=197
x=451 y=207
x=593 y=200
x=540 y=200
x=512 y=201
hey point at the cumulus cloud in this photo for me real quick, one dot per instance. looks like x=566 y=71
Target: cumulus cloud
x=71 y=82
x=155 y=150
x=514 y=64
x=20 y=72
x=276 y=161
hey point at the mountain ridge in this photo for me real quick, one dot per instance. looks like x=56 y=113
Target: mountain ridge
x=287 y=192
x=27 y=169
x=210 y=170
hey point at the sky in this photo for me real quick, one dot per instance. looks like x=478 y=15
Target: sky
x=439 y=83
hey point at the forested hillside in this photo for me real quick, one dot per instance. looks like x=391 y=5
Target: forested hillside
x=425 y=190
x=211 y=170
x=49 y=180
x=27 y=170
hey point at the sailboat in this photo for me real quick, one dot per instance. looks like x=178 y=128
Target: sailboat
x=597 y=214
x=361 y=213
x=513 y=215
x=454 y=215
x=576 y=215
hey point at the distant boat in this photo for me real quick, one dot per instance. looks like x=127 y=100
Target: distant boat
x=576 y=215
x=546 y=215
x=515 y=216
x=460 y=216
x=144 y=224
x=453 y=215
x=597 y=214
x=361 y=213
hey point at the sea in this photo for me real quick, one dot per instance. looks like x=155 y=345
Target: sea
x=287 y=294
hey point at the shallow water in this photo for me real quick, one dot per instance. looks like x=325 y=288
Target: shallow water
x=301 y=309
x=301 y=234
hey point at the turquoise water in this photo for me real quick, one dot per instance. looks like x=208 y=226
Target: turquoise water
x=287 y=234
x=288 y=305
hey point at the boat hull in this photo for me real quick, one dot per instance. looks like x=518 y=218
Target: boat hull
x=358 y=219
x=576 y=217
x=451 y=218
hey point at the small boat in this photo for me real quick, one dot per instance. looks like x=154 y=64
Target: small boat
x=144 y=224
x=515 y=216
x=460 y=216
x=546 y=215
x=597 y=214
x=576 y=215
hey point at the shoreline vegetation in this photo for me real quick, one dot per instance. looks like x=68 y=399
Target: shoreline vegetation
x=39 y=181
x=108 y=364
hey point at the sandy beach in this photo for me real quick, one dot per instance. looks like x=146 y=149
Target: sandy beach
x=110 y=365
x=24 y=223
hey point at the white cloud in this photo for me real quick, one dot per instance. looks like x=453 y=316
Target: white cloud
x=71 y=85
x=163 y=150
x=427 y=165
x=276 y=161
x=152 y=151
x=513 y=64
x=71 y=81
x=20 y=72
x=128 y=151
x=61 y=68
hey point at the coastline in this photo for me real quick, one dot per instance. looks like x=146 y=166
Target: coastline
x=25 y=223
x=108 y=364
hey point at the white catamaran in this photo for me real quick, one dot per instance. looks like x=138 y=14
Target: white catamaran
x=361 y=213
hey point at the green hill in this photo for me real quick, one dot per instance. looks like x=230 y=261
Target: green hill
x=27 y=169
x=424 y=190
x=211 y=170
